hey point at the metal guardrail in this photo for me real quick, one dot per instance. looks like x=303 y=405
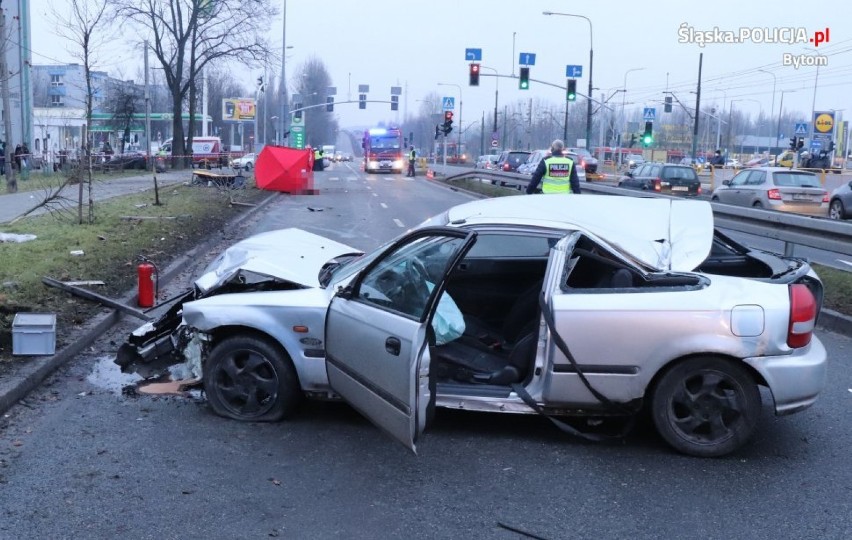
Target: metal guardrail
x=792 y=229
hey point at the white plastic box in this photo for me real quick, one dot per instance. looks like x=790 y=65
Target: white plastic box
x=34 y=334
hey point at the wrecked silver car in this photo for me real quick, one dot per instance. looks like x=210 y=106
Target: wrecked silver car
x=530 y=304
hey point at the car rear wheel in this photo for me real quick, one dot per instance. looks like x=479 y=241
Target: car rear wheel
x=248 y=166
x=249 y=378
x=836 y=210
x=757 y=204
x=714 y=198
x=705 y=406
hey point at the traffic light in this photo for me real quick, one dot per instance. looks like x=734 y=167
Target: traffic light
x=830 y=147
x=448 y=122
x=793 y=141
x=329 y=104
x=800 y=143
x=668 y=105
x=524 y=81
x=362 y=101
x=474 y=75
x=394 y=103
x=298 y=114
x=437 y=130
x=571 y=94
x=632 y=140
x=648 y=136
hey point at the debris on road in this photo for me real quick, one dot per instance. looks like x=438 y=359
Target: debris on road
x=78 y=253
x=16 y=238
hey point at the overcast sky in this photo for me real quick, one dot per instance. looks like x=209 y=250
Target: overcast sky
x=417 y=44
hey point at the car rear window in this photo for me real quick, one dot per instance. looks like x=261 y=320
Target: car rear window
x=516 y=158
x=795 y=179
x=680 y=173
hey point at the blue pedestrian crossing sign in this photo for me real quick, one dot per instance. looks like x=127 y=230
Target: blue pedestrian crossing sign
x=526 y=59
x=801 y=128
x=473 y=55
x=649 y=113
x=573 y=72
x=448 y=103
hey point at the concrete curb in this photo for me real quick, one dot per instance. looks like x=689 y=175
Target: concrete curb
x=31 y=375
x=835 y=322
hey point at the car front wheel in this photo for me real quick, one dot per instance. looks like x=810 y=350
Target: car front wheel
x=249 y=378
x=706 y=407
x=248 y=166
x=836 y=210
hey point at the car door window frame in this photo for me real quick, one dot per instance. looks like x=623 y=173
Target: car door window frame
x=740 y=179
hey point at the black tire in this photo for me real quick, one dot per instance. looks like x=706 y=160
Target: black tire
x=251 y=379
x=248 y=166
x=757 y=204
x=714 y=198
x=836 y=210
x=705 y=406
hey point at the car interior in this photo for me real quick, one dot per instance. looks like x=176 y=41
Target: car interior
x=497 y=285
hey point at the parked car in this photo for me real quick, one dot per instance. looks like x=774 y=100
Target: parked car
x=757 y=162
x=587 y=160
x=133 y=159
x=840 y=202
x=487 y=161
x=775 y=188
x=665 y=178
x=509 y=160
x=448 y=315
x=733 y=164
x=244 y=162
x=784 y=159
x=634 y=160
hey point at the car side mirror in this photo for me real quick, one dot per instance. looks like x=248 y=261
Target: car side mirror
x=629 y=173
x=726 y=182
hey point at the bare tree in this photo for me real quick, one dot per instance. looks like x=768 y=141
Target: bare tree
x=124 y=102
x=86 y=26
x=187 y=35
x=9 y=171
x=312 y=82
x=221 y=85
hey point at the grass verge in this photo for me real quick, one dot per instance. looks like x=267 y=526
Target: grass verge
x=44 y=181
x=111 y=245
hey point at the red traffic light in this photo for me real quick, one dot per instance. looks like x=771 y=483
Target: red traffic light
x=474 y=75
x=448 y=116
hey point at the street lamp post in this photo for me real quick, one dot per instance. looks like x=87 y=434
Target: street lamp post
x=781 y=113
x=496 y=89
x=772 y=109
x=591 y=60
x=461 y=111
x=623 y=117
x=732 y=108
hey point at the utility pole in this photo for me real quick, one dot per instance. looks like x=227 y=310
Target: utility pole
x=148 y=155
x=697 y=108
x=11 y=181
x=482 y=135
x=283 y=117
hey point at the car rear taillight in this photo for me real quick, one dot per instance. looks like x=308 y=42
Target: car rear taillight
x=825 y=198
x=657 y=184
x=506 y=167
x=803 y=313
x=774 y=194
x=699 y=190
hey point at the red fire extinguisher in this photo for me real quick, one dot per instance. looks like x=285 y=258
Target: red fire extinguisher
x=148 y=283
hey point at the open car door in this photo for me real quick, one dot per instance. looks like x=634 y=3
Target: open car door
x=378 y=329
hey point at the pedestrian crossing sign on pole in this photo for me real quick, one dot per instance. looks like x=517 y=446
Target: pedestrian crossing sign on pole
x=801 y=128
x=448 y=103
x=649 y=114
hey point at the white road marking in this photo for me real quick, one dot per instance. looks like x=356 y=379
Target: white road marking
x=398 y=222
x=368 y=187
x=383 y=205
x=351 y=178
x=845 y=262
x=375 y=194
x=334 y=178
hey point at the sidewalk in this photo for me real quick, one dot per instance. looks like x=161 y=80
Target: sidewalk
x=13 y=205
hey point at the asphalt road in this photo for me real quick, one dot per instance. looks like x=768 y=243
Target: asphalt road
x=79 y=460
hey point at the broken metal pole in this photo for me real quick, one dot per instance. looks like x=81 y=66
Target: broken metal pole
x=89 y=295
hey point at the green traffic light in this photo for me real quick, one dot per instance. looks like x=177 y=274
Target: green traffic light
x=647 y=139
x=572 y=97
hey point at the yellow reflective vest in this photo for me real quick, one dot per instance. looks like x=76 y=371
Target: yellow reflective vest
x=557 y=175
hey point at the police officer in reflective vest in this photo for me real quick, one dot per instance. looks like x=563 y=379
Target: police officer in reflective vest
x=318 y=159
x=556 y=173
x=411 y=157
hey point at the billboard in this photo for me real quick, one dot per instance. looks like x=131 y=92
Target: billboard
x=238 y=109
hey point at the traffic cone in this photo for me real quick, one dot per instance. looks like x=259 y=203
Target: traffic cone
x=430 y=173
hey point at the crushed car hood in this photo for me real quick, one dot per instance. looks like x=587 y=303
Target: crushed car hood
x=665 y=234
x=291 y=255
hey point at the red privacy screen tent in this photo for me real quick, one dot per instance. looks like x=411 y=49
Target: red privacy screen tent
x=284 y=169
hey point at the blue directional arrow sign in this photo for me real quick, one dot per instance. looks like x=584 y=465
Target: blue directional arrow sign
x=649 y=113
x=573 y=72
x=448 y=103
x=801 y=128
x=526 y=59
x=473 y=55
